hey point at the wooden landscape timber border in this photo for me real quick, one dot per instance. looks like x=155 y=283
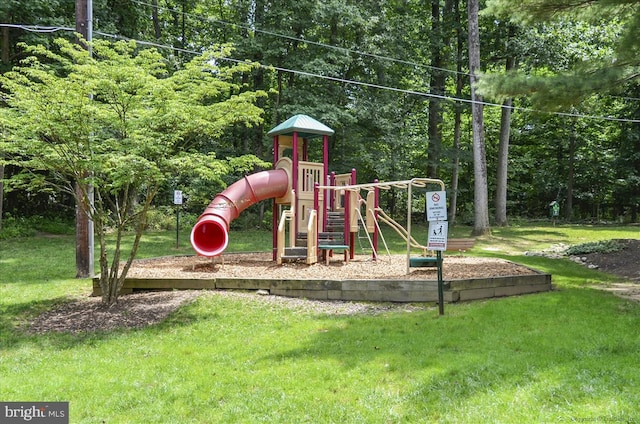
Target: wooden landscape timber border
x=355 y=290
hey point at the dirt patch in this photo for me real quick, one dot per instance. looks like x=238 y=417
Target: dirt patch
x=142 y=309
x=623 y=263
x=133 y=311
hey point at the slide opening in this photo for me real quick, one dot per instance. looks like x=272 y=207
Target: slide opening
x=209 y=237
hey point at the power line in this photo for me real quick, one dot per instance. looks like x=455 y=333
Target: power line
x=38 y=28
x=316 y=43
x=336 y=79
x=301 y=40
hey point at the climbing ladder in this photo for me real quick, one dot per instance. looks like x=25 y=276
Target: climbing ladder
x=333 y=238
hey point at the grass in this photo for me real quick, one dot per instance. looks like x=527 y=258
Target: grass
x=564 y=356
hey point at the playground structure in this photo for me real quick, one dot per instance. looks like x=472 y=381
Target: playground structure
x=316 y=212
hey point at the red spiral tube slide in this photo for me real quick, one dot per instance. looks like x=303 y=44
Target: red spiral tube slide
x=210 y=234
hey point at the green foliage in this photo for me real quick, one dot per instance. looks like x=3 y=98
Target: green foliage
x=120 y=122
x=384 y=134
x=13 y=227
x=163 y=218
x=599 y=40
x=605 y=246
x=20 y=226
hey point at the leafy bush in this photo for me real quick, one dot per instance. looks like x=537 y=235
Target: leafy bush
x=14 y=227
x=604 y=246
x=56 y=225
x=164 y=218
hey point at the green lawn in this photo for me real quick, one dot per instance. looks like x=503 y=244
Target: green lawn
x=570 y=355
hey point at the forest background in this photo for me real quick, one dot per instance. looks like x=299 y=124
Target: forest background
x=392 y=79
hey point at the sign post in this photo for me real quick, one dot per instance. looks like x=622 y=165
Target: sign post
x=437 y=236
x=177 y=200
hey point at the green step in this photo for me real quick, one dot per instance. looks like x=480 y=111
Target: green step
x=423 y=261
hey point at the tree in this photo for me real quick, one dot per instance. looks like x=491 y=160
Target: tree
x=571 y=59
x=601 y=73
x=481 y=196
x=457 y=112
x=135 y=131
x=503 y=148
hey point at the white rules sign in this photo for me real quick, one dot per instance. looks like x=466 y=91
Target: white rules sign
x=437 y=239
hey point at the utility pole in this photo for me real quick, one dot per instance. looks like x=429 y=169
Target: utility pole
x=84 y=224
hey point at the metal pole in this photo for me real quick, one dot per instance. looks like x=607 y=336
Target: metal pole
x=177 y=226
x=440 y=283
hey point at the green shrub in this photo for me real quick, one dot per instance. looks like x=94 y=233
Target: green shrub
x=14 y=227
x=164 y=218
x=604 y=246
x=55 y=225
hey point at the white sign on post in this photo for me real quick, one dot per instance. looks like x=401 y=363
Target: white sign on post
x=436 y=206
x=177 y=197
x=437 y=239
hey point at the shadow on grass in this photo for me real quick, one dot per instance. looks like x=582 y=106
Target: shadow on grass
x=564 y=272
x=15 y=319
x=15 y=328
x=488 y=349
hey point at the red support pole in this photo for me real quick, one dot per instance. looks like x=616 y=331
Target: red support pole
x=352 y=238
x=327 y=194
x=332 y=183
x=347 y=216
x=275 y=218
x=316 y=196
x=316 y=205
x=294 y=178
x=276 y=147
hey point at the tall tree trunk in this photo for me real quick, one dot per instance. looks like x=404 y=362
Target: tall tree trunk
x=154 y=17
x=500 y=201
x=256 y=134
x=503 y=155
x=570 y=177
x=481 y=196
x=436 y=87
x=5 y=45
x=440 y=40
x=183 y=31
x=457 y=118
x=1 y=193
x=4 y=57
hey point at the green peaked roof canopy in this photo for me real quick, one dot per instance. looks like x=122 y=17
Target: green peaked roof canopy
x=304 y=125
